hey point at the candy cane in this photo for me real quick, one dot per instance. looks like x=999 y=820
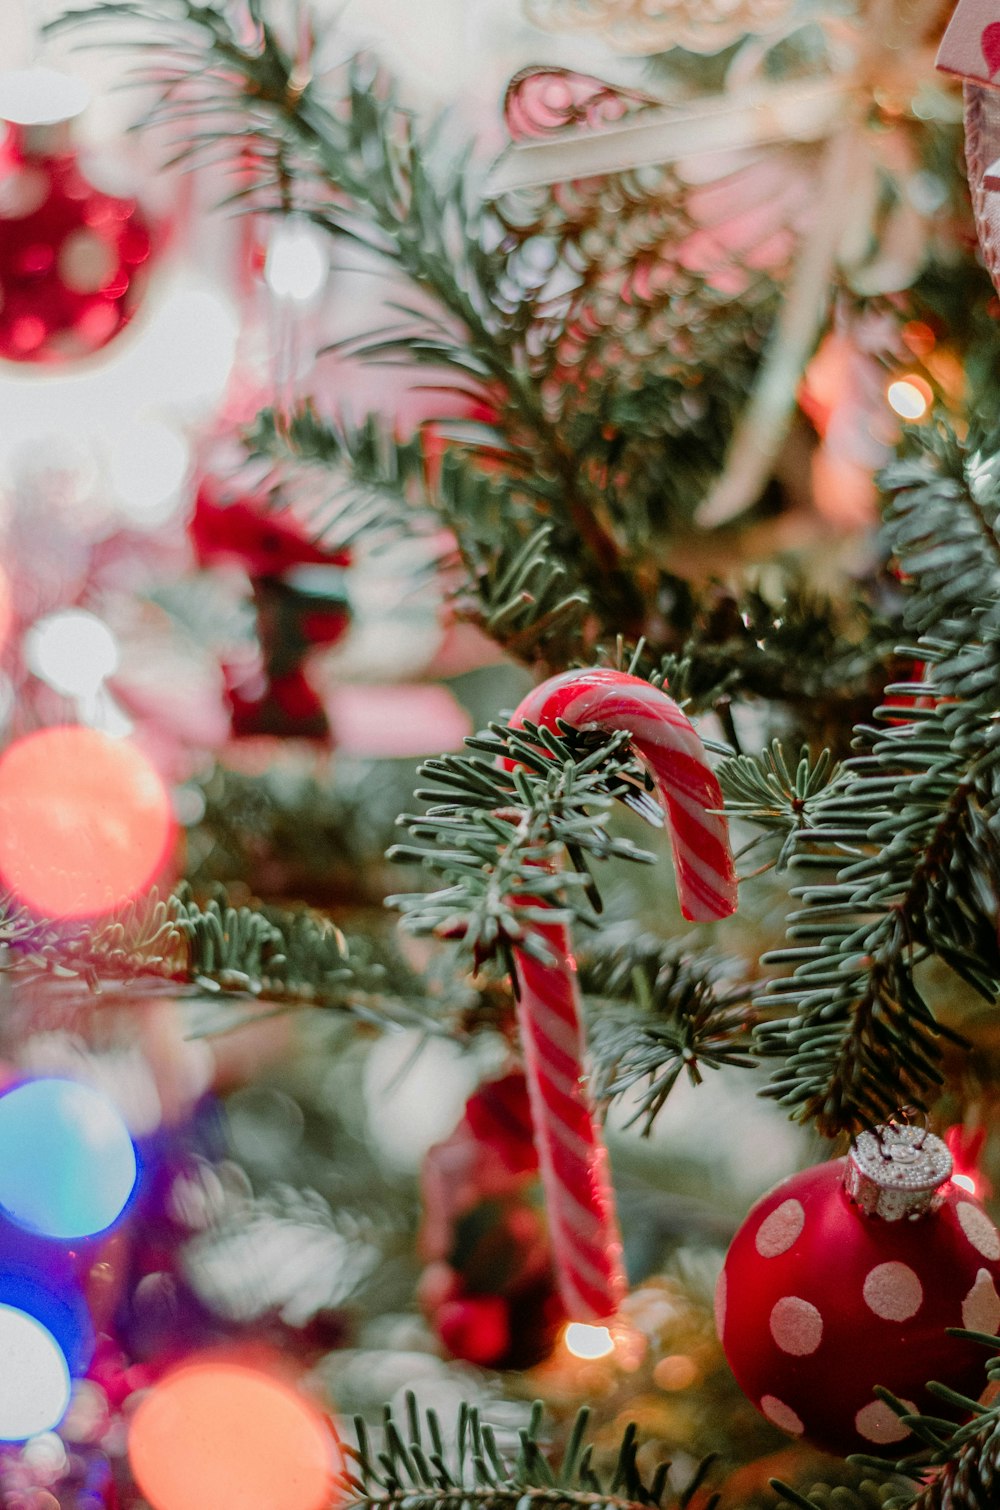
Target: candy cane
x=586 y=1245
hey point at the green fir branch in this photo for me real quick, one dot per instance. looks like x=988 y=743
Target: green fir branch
x=825 y=660
x=518 y=589
x=908 y=828
x=525 y=599
x=407 y=1466
x=377 y=482
x=497 y=830
x=657 y=1012
x=282 y=957
x=775 y=796
x=357 y=166
x=866 y=1495
x=954 y=1467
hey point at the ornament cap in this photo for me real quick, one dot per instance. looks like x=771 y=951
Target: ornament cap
x=897 y=1171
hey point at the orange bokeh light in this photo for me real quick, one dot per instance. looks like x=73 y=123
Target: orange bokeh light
x=85 y=821
x=217 y=1434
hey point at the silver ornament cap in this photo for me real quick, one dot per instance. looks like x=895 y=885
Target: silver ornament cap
x=897 y=1171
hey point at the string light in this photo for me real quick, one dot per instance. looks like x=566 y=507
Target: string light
x=910 y=396
x=586 y=1341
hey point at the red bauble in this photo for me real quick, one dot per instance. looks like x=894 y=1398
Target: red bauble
x=72 y=258
x=819 y=1301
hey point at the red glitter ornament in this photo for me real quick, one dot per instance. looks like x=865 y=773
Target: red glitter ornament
x=72 y=258
x=845 y=1277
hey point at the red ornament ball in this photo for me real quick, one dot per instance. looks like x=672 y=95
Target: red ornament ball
x=818 y=1302
x=72 y=258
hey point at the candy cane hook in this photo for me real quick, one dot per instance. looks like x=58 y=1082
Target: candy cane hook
x=586 y=1245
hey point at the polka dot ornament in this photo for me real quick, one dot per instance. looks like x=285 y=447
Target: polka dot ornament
x=72 y=258
x=818 y=1303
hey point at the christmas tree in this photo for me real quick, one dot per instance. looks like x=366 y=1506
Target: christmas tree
x=511 y=525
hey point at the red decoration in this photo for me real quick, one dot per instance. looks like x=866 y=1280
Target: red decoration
x=301 y=604
x=578 y=1192
x=489 y=1289
x=72 y=259
x=250 y=530
x=819 y=1302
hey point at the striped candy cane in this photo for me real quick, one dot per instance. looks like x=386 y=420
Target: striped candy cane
x=586 y=1245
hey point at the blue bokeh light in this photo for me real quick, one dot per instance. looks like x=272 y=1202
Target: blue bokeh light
x=43 y=1285
x=67 y=1163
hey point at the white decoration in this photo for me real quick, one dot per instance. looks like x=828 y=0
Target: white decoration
x=893 y=1291
x=796 y=1326
x=778 y=1231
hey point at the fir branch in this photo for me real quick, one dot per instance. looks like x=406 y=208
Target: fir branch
x=943 y=527
x=141 y=938
x=525 y=599
x=825 y=660
x=497 y=828
x=657 y=1012
x=409 y=1468
x=909 y=827
x=776 y=798
x=379 y=486
x=967 y=1455
x=519 y=591
x=358 y=167
x=866 y=1495
x=284 y=957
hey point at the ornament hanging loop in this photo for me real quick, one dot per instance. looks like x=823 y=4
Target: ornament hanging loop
x=904 y=1151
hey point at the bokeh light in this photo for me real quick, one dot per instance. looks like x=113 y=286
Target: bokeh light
x=966 y=1181
x=72 y=650
x=85 y=821
x=910 y=397
x=34 y=1379
x=38 y=1279
x=6 y=609
x=148 y=466
x=586 y=1341
x=41 y=96
x=221 y=1434
x=297 y=261
x=67 y=1163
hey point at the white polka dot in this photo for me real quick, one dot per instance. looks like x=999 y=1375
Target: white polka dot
x=880 y=1424
x=777 y=1232
x=720 y=1305
x=893 y=1292
x=979 y=1229
x=86 y=262
x=780 y=1414
x=23 y=192
x=981 y=1307
x=796 y=1326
